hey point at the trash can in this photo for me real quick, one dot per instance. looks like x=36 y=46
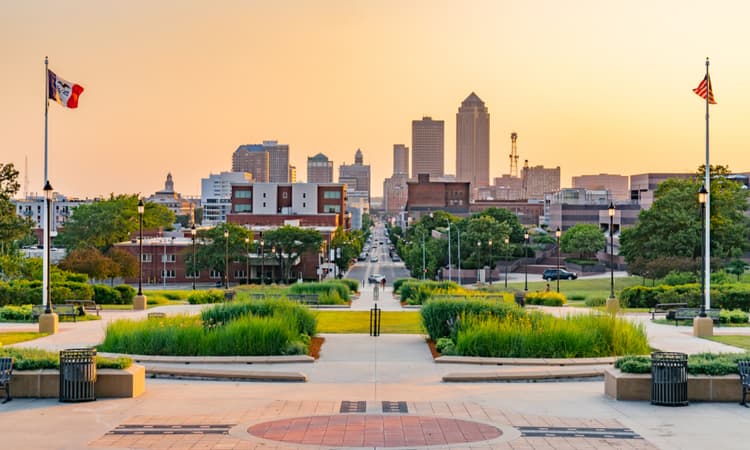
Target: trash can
x=669 y=384
x=520 y=297
x=229 y=295
x=77 y=375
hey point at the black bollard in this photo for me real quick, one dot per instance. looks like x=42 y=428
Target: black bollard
x=375 y=321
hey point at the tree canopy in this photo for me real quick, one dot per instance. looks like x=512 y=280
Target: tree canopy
x=213 y=249
x=583 y=239
x=290 y=244
x=12 y=227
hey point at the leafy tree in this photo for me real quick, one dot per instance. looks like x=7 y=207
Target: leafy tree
x=736 y=267
x=482 y=230
x=91 y=262
x=502 y=215
x=12 y=227
x=350 y=243
x=584 y=239
x=126 y=265
x=212 y=252
x=104 y=223
x=290 y=244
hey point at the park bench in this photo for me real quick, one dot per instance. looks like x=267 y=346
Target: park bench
x=305 y=299
x=743 y=367
x=692 y=313
x=666 y=308
x=60 y=310
x=87 y=305
x=156 y=315
x=6 y=371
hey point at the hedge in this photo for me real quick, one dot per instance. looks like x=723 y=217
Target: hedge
x=711 y=364
x=546 y=298
x=724 y=296
x=440 y=316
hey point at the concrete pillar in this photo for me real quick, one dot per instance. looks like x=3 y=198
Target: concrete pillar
x=613 y=306
x=48 y=323
x=703 y=327
x=139 y=303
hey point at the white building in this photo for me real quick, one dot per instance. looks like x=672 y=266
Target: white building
x=216 y=195
x=32 y=207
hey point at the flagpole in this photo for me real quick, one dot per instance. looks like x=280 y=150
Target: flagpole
x=45 y=272
x=707 y=237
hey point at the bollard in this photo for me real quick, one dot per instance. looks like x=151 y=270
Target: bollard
x=375 y=321
x=375 y=293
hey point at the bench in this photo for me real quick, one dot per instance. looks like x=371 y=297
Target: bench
x=6 y=371
x=305 y=299
x=60 y=310
x=87 y=305
x=157 y=315
x=692 y=313
x=665 y=308
x=743 y=367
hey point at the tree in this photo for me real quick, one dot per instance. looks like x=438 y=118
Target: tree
x=12 y=227
x=212 y=252
x=290 y=244
x=736 y=267
x=672 y=226
x=126 y=265
x=91 y=262
x=104 y=223
x=502 y=215
x=350 y=243
x=583 y=239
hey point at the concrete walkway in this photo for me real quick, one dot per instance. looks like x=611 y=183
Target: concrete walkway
x=358 y=371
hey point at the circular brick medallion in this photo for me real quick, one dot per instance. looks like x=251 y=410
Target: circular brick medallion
x=354 y=430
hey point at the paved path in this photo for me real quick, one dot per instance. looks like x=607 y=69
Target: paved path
x=357 y=371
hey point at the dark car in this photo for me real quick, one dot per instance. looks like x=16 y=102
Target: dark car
x=375 y=278
x=552 y=274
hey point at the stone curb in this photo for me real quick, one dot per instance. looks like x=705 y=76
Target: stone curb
x=160 y=372
x=213 y=359
x=523 y=375
x=525 y=361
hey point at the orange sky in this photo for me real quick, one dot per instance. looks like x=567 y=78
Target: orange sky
x=175 y=86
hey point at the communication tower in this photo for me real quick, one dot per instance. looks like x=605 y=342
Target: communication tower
x=513 y=155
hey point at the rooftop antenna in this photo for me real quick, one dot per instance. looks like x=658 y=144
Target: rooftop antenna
x=513 y=155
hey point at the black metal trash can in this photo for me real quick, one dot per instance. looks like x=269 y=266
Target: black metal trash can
x=229 y=295
x=669 y=384
x=520 y=297
x=77 y=375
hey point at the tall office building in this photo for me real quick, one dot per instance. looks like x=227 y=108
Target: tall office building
x=278 y=161
x=539 y=180
x=216 y=194
x=401 y=159
x=428 y=147
x=252 y=158
x=357 y=177
x=473 y=142
x=616 y=185
x=319 y=169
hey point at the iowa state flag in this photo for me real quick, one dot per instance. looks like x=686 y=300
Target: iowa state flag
x=63 y=92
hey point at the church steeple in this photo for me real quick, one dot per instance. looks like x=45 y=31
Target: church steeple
x=169 y=184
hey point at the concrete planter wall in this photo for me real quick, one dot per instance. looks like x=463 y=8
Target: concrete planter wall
x=596 y=268
x=632 y=386
x=110 y=383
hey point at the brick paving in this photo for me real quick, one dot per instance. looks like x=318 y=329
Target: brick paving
x=286 y=425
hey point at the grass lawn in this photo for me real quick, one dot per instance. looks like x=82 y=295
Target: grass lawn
x=689 y=323
x=392 y=322
x=577 y=291
x=735 y=340
x=11 y=337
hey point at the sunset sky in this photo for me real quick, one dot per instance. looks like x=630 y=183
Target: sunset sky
x=175 y=85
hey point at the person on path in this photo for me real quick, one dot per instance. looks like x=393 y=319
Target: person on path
x=382 y=284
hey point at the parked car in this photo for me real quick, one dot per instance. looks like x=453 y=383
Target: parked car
x=375 y=278
x=362 y=257
x=373 y=258
x=552 y=274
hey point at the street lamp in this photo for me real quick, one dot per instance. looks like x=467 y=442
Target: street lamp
x=526 y=261
x=47 y=205
x=458 y=239
x=273 y=250
x=262 y=261
x=492 y=266
x=141 y=208
x=479 y=258
x=702 y=196
x=507 y=255
x=450 y=267
x=247 y=260
x=193 y=233
x=424 y=267
x=558 y=233
x=226 y=258
x=611 y=212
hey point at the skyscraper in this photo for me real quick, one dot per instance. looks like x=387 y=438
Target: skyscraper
x=278 y=161
x=473 y=142
x=357 y=177
x=428 y=147
x=319 y=169
x=252 y=158
x=401 y=159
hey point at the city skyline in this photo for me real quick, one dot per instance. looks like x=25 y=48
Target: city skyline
x=590 y=87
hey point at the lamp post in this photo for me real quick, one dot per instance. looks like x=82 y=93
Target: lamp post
x=273 y=251
x=611 y=212
x=479 y=258
x=226 y=258
x=262 y=262
x=526 y=261
x=702 y=194
x=491 y=264
x=247 y=260
x=558 y=233
x=458 y=239
x=450 y=267
x=141 y=208
x=507 y=256
x=193 y=232
x=48 y=211
x=424 y=266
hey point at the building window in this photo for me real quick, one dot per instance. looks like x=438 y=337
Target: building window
x=332 y=194
x=239 y=274
x=264 y=204
x=304 y=195
x=243 y=194
x=146 y=257
x=333 y=208
x=169 y=273
x=214 y=274
x=168 y=258
x=264 y=195
x=189 y=273
x=243 y=208
x=304 y=204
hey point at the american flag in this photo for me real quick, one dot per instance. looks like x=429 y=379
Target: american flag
x=705 y=88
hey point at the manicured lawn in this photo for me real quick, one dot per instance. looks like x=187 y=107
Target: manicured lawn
x=735 y=340
x=13 y=337
x=393 y=322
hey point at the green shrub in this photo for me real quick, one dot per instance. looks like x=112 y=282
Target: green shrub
x=595 y=301
x=223 y=313
x=634 y=364
x=733 y=316
x=445 y=346
x=675 y=278
x=711 y=364
x=399 y=282
x=351 y=283
x=440 y=315
x=416 y=292
x=329 y=292
x=204 y=297
x=576 y=297
x=105 y=295
x=127 y=293
x=35 y=359
x=546 y=298
x=11 y=312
